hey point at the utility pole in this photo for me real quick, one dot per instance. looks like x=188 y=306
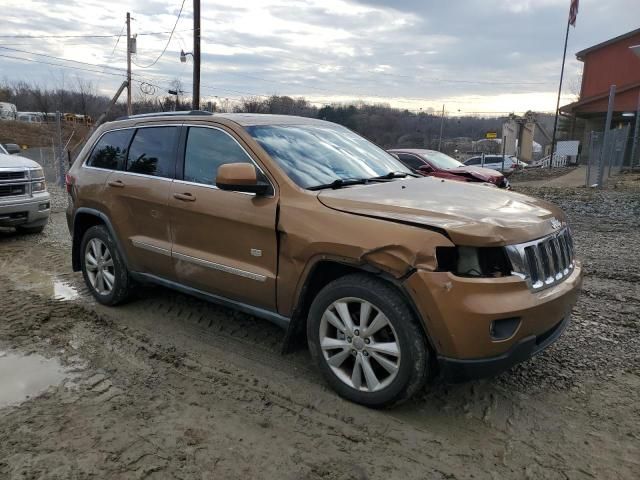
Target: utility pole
x=60 y=150
x=604 y=151
x=196 y=55
x=555 y=121
x=128 y=64
x=441 y=128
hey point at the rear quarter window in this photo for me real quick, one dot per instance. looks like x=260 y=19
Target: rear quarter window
x=111 y=150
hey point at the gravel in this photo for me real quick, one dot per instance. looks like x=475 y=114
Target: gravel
x=168 y=386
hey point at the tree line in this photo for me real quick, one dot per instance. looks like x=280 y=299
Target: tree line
x=380 y=123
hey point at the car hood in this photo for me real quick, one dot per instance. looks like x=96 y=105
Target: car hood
x=484 y=174
x=470 y=214
x=16 y=161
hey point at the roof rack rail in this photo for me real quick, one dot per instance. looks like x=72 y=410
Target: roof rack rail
x=165 y=114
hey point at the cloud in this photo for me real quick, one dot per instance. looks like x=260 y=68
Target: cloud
x=474 y=54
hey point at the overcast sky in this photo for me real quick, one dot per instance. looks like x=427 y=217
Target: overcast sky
x=472 y=55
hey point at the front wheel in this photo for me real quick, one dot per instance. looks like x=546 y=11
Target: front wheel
x=366 y=341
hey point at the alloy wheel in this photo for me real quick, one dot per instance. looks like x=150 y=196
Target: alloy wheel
x=99 y=266
x=359 y=344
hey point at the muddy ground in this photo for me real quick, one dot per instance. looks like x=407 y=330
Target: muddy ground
x=168 y=386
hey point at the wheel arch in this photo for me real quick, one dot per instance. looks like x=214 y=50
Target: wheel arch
x=325 y=271
x=83 y=219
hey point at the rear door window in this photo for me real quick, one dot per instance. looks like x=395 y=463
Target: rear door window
x=153 y=151
x=206 y=150
x=473 y=161
x=410 y=161
x=111 y=150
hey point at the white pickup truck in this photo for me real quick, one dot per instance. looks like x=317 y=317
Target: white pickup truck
x=24 y=201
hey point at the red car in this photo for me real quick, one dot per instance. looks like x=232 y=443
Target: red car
x=432 y=163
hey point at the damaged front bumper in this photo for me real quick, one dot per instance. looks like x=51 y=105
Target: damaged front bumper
x=481 y=326
x=455 y=370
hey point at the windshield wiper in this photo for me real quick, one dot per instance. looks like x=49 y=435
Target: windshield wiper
x=339 y=183
x=392 y=175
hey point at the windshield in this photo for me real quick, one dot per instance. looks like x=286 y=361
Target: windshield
x=313 y=155
x=443 y=161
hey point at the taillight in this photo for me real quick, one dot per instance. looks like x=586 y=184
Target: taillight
x=69 y=180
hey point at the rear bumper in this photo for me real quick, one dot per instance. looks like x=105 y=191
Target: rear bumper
x=455 y=370
x=33 y=211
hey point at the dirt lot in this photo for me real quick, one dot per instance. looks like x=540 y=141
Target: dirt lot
x=171 y=387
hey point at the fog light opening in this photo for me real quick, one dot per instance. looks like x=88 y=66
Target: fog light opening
x=504 y=328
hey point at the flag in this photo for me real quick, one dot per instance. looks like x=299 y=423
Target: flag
x=573 y=12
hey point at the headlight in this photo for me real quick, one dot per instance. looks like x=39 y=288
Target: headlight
x=37 y=180
x=473 y=261
x=39 y=186
x=37 y=173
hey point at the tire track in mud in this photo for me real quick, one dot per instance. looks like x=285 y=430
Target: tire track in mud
x=153 y=305
x=114 y=348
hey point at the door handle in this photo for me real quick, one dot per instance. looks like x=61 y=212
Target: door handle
x=185 y=197
x=116 y=183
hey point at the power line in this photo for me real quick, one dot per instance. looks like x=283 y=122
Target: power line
x=61 y=59
x=145 y=81
x=117 y=41
x=89 y=36
x=64 y=66
x=166 y=81
x=113 y=51
x=168 y=41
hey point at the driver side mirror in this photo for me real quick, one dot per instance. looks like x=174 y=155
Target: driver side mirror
x=12 y=148
x=425 y=169
x=241 y=177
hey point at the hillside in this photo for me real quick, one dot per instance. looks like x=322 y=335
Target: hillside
x=40 y=135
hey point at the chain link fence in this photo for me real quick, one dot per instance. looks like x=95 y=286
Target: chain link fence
x=608 y=154
x=46 y=157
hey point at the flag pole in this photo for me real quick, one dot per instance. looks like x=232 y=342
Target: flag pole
x=555 y=122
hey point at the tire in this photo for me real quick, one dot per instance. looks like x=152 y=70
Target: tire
x=97 y=241
x=30 y=230
x=410 y=356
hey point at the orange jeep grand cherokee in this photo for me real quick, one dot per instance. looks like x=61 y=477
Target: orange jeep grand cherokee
x=391 y=277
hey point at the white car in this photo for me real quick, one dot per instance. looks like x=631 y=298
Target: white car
x=8 y=111
x=24 y=201
x=494 y=162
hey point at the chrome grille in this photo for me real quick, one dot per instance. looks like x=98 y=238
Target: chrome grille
x=543 y=262
x=13 y=175
x=12 y=190
x=14 y=182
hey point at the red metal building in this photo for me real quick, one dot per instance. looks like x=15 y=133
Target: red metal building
x=608 y=63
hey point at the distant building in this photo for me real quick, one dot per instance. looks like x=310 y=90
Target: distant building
x=612 y=62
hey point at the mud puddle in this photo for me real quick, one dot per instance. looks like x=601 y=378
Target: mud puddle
x=27 y=376
x=41 y=282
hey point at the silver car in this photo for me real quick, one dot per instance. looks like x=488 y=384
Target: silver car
x=494 y=162
x=24 y=201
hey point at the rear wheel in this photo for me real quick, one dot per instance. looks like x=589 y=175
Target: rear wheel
x=103 y=268
x=367 y=342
